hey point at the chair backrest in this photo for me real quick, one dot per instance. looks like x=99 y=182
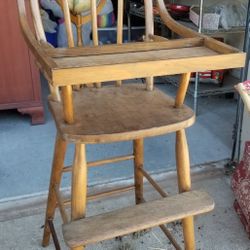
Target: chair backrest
x=75 y=17
x=95 y=8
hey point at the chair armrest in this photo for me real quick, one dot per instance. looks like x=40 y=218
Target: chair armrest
x=172 y=24
x=189 y=33
x=45 y=63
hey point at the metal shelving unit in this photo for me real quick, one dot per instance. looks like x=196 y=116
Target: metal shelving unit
x=228 y=82
x=197 y=89
x=140 y=13
x=220 y=31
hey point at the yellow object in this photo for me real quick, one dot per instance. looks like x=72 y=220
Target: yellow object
x=81 y=6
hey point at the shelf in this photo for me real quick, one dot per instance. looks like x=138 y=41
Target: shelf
x=213 y=32
x=204 y=88
x=207 y=88
x=139 y=12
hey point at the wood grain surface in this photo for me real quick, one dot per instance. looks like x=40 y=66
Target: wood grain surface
x=112 y=114
x=132 y=219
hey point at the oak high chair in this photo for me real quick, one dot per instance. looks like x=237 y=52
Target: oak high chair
x=128 y=112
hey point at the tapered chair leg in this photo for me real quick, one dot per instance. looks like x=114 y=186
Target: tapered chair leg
x=55 y=179
x=79 y=185
x=184 y=183
x=138 y=163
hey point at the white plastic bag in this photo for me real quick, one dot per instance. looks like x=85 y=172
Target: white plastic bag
x=232 y=13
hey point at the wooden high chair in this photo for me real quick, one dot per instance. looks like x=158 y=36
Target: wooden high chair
x=128 y=112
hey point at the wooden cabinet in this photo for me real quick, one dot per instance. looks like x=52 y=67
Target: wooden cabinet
x=19 y=78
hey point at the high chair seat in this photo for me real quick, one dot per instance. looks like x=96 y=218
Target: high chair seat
x=112 y=114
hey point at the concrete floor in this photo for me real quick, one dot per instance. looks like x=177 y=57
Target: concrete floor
x=21 y=222
x=26 y=151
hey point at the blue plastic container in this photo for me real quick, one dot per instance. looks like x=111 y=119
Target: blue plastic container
x=52 y=38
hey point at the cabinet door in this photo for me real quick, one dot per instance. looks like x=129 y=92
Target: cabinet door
x=19 y=80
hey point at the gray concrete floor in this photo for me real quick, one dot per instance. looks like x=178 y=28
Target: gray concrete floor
x=21 y=228
x=26 y=151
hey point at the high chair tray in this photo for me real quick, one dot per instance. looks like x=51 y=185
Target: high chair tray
x=117 y=62
x=193 y=52
x=111 y=114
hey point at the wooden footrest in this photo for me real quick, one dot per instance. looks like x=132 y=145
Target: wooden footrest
x=128 y=220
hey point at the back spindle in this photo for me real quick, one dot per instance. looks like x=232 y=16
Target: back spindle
x=40 y=35
x=149 y=20
x=94 y=22
x=119 y=38
x=94 y=28
x=67 y=90
x=120 y=11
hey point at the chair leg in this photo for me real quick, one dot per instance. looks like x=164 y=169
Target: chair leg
x=55 y=179
x=79 y=185
x=138 y=163
x=184 y=183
